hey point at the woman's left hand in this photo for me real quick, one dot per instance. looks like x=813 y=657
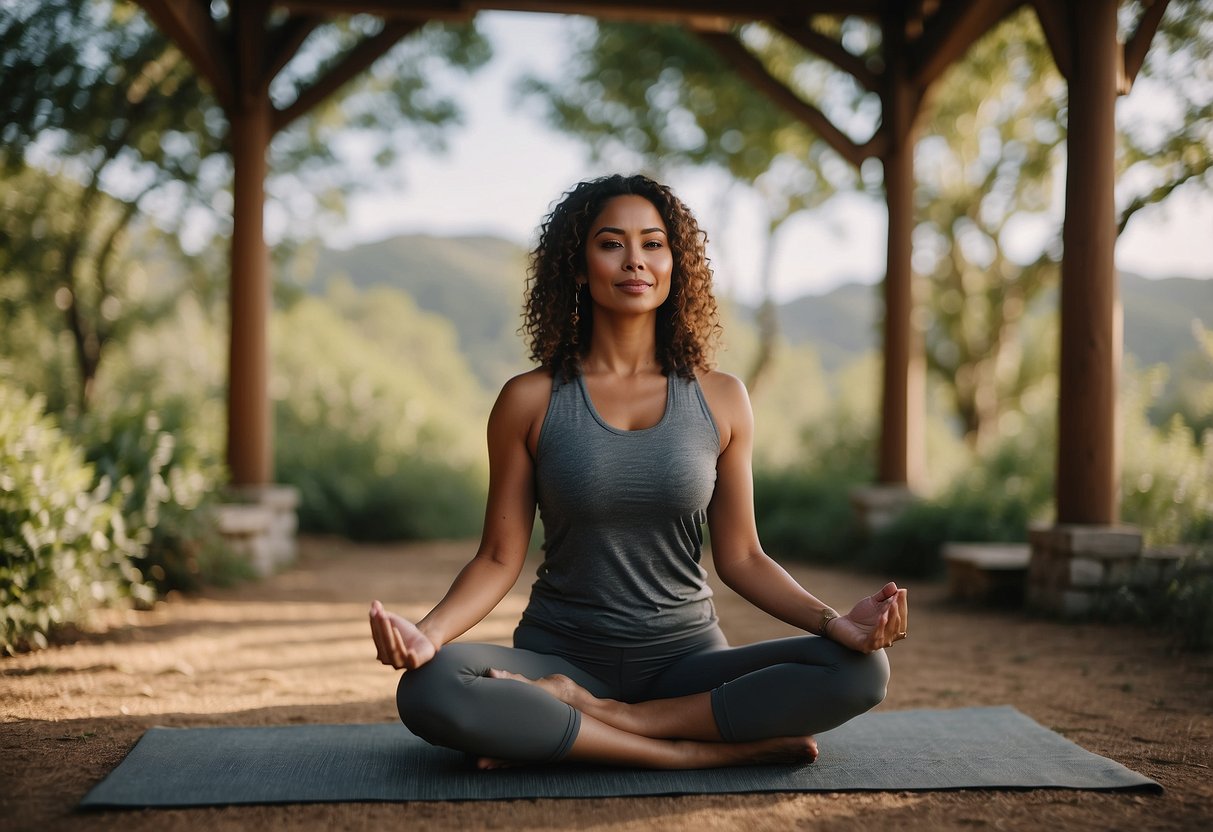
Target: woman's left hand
x=874 y=623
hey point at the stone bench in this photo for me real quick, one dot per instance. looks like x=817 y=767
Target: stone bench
x=996 y=572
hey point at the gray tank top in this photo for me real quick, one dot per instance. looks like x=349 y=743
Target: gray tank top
x=622 y=515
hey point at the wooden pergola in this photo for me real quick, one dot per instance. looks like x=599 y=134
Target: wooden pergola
x=920 y=40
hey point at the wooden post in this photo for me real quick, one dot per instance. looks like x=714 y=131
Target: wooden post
x=249 y=437
x=1087 y=459
x=901 y=428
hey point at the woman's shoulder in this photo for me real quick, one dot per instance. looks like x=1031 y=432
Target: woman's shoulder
x=526 y=392
x=729 y=402
x=725 y=388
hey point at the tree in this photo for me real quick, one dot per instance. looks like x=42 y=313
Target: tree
x=985 y=164
x=109 y=122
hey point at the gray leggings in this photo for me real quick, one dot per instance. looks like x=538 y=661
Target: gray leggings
x=785 y=687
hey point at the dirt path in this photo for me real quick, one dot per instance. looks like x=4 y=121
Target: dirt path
x=294 y=648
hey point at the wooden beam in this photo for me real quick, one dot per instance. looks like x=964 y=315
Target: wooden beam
x=950 y=32
x=356 y=61
x=188 y=24
x=752 y=70
x=1055 y=23
x=833 y=51
x=283 y=42
x=654 y=11
x=1138 y=43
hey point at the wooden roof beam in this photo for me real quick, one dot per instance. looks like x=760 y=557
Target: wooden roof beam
x=751 y=69
x=284 y=41
x=188 y=24
x=1055 y=23
x=1138 y=44
x=947 y=34
x=358 y=59
x=833 y=51
x=668 y=11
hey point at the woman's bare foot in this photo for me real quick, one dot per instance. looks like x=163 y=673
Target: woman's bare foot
x=559 y=686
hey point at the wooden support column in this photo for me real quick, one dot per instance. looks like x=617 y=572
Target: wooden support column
x=249 y=425
x=903 y=400
x=248 y=414
x=1088 y=458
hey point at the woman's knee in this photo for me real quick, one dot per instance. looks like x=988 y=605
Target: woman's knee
x=868 y=679
x=430 y=699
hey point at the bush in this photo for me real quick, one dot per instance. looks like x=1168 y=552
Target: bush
x=1182 y=606
x=354 y=487
x=994 y=500
x=805 y=516
x=167 y=488
x=64 y=548
x=912 y=545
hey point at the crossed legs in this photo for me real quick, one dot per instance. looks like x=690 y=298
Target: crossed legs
x=723 y=706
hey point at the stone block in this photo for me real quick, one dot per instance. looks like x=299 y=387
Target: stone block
x=876 y=506
x=1076 y=602
x=1086 y=572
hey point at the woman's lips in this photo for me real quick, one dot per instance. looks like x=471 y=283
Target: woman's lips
x=634 y=287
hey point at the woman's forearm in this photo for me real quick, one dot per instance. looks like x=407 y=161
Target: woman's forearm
x=768 y=586
x=474 y=593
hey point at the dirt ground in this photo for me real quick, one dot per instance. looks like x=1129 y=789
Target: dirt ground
x=295 y=649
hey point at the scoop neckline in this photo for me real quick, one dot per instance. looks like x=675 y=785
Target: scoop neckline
x=589 y=403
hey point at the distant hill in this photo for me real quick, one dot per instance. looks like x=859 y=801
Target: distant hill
x=477 y=282
x=1159 y=315
x=841 y=324
x=845 y=322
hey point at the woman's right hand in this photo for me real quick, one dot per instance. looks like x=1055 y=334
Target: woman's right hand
x=398 y=642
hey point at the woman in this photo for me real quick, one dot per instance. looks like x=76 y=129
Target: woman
x=627 y=442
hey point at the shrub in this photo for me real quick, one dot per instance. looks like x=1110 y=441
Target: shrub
x=1183 y=606
x=167 y=488
x=912 y=545
x=353 y=486
x=64 y=547
x=805 y=516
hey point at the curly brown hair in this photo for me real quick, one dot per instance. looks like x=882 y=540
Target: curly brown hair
x=687 y=323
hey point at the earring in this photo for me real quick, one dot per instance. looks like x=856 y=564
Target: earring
x=576 y=311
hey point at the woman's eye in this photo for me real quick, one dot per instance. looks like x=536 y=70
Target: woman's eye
x=653 y=244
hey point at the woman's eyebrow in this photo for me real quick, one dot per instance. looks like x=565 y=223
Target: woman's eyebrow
x=610 y=229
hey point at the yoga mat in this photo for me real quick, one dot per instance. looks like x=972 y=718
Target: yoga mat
x=966 y=748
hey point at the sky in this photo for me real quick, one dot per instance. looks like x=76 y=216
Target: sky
x=504 y=169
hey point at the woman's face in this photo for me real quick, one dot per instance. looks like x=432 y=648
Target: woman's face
x=628 y=258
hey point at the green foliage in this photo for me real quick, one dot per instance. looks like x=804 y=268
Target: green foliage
x=1181 y=606
x=166 y=488
x=64 y=547
x=804 y=515
x=986 y=164
x=803 y=506
x=352 y=486
x=378 y=418
x=1167 y=471
x=106 y=122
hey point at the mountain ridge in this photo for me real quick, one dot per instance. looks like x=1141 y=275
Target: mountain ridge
x=477 y=281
